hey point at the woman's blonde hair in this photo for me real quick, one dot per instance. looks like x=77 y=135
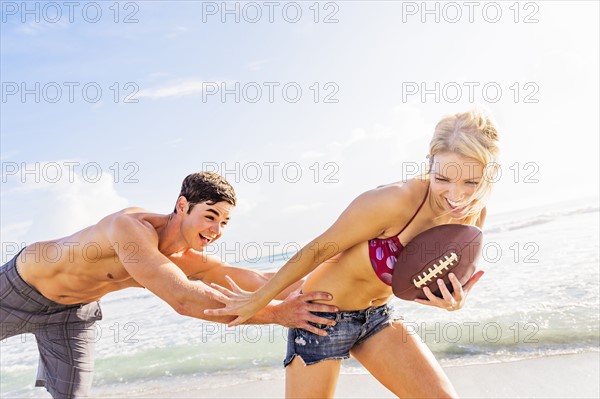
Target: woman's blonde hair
x=473 y=135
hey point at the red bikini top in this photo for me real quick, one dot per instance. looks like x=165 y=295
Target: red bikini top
x=384 y=252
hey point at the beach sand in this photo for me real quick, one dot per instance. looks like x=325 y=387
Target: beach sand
x=565 y=376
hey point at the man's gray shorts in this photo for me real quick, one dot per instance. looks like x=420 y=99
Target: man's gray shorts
x=65 y=334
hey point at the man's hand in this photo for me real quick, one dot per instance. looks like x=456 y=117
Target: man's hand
x=294 y=311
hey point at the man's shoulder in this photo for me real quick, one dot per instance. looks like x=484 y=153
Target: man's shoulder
x=130 y=220
x=131 y=213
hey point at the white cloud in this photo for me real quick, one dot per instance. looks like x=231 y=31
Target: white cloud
x=388 y=138
x=256 y=65
x=244 y=206
x=33 y=211
x=177 y=31
x=175 y=142
x=312 y=154
x=8 y=155
x=180 y=89
x=409 y=122
x=33 y=28
x=155 y=75
x=17 y=229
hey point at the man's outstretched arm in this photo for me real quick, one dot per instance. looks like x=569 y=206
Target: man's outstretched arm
x=154 y=271
x=292 y=309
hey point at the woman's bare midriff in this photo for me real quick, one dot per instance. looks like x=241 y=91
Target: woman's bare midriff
x=350 y=278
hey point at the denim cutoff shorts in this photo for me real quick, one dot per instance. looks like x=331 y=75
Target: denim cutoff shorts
x=352 y=328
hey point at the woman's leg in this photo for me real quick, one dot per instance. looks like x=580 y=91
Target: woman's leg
x=404 y=364
x=315 y=381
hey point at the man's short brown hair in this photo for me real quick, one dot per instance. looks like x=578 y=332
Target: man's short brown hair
x=206 y=186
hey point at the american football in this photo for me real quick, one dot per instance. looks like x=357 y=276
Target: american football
x=432 y=255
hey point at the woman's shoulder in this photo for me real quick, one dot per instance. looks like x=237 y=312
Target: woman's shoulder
x=413 y=190
x=401 y=196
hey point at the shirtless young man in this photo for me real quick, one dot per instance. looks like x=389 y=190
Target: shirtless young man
x=52 y=288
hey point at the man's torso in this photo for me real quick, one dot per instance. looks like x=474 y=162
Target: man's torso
x=84 y=266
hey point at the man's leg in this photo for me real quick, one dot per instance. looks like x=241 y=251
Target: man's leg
x=14 y=306
x=66 y=365
x=65 y=333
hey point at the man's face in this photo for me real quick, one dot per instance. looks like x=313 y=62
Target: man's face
x=205 y=223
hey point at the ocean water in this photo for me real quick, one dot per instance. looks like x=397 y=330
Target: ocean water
x=539 y=296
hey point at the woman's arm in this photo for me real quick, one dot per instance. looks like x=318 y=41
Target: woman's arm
x=368 y=216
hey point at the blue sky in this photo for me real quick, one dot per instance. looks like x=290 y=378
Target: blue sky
x=368 y=131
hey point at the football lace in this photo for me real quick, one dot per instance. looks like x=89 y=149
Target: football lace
x=429 y=275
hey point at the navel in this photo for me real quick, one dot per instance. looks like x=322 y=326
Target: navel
x=109 y=275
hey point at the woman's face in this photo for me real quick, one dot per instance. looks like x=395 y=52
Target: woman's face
x=454 y=179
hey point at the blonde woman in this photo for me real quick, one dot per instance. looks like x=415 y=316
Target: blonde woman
x=346 y=261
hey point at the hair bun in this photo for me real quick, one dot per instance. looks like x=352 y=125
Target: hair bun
x=489 y=129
